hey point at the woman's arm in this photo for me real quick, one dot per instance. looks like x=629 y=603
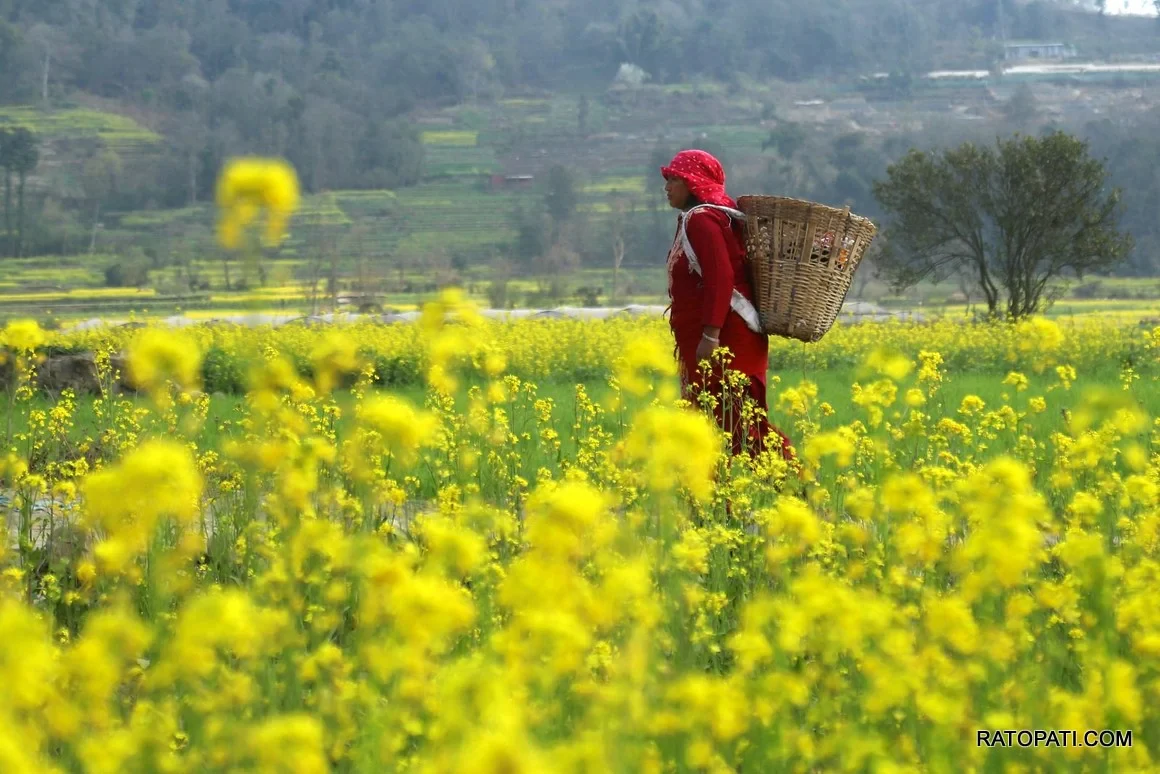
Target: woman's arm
x=704 y=230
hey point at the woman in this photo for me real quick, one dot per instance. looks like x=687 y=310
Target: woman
x=712 y=300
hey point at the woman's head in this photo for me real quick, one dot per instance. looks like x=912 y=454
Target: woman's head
x=695 y=176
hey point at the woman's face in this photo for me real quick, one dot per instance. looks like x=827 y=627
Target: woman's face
x=678 y=192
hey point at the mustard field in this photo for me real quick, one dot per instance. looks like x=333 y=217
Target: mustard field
x=466 y=546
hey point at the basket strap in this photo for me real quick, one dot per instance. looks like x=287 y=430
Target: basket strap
x=746 y=311
x=694 y=265
x=738 y=303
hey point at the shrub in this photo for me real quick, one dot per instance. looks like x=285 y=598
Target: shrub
x=1091 y=289
x=497 y=294
x=126 y=274
x=221 y=371
x=589 y=296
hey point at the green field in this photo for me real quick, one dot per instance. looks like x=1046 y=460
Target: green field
x=117 y=131
x=72 y=288
x=227 y=411
x=395 y=248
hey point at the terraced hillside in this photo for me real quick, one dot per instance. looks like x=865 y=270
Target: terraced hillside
x=69 y=136
x=118 y=132
x=482 y=165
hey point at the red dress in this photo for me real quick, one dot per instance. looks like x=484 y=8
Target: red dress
x=704 y=299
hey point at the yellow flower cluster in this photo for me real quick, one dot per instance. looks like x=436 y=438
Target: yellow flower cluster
x=23 y=335
x=329 y=576
x=635 y=350
x=249 y=186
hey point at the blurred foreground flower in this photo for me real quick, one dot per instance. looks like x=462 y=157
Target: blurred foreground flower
x=246 y=187
x=674 y=447
x=645 y=362
x=23 y=335
x=156 y=357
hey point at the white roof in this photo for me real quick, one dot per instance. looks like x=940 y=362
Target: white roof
x=1077 y=69
x=981 y=74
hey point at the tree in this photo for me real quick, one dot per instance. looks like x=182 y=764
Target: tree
x=478 y=65
x=561 y=197
x=642 y=41
x=181 y=172
x=23 y=157
x=100 y=179
x=582 y=115
x=52 y=47
x=1013 y=217
x=12 y=44
x=559 y=262
x=533 y=232
x=6 y=147
x=389 y=155
x=1022 y=109
x=19 y=156
x=795 y=169
x=617 y=223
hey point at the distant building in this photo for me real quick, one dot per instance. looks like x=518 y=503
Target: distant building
x=1031 y=51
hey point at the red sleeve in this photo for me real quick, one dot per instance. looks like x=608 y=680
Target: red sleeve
x=708 y=242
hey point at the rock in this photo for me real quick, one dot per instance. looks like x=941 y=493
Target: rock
x=77 y=372
x=119 y=363
x=69 y=372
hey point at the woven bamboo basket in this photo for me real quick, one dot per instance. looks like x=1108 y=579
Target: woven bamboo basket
x=802 y=257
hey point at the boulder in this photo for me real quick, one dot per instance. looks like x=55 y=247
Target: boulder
x=118 y=361
x=76 y=372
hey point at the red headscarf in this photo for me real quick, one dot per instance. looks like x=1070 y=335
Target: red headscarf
x=703 y=174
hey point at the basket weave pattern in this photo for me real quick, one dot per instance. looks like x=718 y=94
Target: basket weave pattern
x=802 y=257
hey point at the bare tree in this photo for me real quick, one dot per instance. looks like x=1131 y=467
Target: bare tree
x=52 y=47
x=965 y=287
x=100 y=179
x=617 y=225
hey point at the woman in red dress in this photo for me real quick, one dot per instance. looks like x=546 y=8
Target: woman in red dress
x=712 y=301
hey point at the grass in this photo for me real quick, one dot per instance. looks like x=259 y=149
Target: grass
x=80 y=294
x=525 y=103
x=322 y=210
x=458 y=139
x=621 y=185
x=72 y=288
x=114 y=129
x=226 y=412
x=1119 y=310
x=148 y=219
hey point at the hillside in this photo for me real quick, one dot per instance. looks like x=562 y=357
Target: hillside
x=425 y=141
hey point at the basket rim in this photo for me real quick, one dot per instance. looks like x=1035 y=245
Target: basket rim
x=822 y=209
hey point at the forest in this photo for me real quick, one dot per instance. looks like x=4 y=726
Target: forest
x=334 y=86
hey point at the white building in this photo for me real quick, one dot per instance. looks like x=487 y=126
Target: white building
x=1031 y=51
